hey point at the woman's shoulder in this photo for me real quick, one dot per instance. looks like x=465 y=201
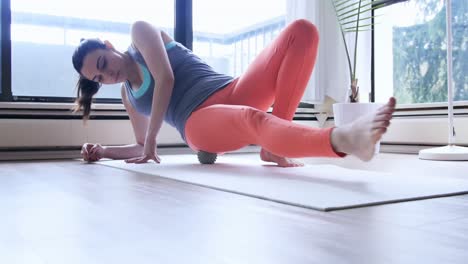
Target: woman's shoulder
x=141 y=25
x=142 y=28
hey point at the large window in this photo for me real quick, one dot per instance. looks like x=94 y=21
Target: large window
x=411 y=52
x=44 y=35
x=229 y=34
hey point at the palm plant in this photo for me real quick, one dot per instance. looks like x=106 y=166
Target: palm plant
x=355 y=16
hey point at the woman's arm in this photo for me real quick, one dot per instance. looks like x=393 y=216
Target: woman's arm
x=95 y=152
x=139 y=125
x=148 y=40
x=122 y=152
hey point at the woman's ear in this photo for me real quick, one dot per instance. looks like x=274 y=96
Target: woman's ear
x=108 y=44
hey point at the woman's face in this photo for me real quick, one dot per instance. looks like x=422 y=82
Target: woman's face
x=105 y=66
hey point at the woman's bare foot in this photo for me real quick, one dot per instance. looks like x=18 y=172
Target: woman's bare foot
x=359 y=137
x=281 y=161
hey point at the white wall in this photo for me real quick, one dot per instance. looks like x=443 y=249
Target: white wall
x=62 y=131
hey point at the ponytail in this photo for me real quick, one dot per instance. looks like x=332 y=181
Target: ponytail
x=86 y=89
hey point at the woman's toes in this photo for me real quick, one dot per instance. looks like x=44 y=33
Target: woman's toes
x=383 y=117
x=384 y=123
x=382 y=130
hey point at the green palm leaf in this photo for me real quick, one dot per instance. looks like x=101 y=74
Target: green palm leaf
x=353 y=17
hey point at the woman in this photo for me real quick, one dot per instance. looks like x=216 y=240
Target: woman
x=214 y=112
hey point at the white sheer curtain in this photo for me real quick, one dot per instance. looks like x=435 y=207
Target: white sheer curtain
x=331 y=75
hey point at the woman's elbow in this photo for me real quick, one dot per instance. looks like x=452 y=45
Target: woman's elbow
x=168 y=81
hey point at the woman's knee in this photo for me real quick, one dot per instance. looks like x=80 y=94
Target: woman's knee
x=306 y=27
x=306 y=31
x=254 y=119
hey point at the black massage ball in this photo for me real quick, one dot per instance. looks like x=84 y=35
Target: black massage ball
x=206 y=157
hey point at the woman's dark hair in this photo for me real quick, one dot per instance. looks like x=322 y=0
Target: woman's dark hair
x=85 y=88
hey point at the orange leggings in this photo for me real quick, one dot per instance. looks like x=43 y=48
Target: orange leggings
x=236 y=116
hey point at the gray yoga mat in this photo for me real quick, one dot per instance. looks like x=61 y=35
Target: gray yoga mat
x=323 y=187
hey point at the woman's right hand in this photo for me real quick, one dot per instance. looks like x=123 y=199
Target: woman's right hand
x=92 y=152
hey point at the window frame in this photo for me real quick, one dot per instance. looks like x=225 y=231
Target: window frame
x=5 y=67
x=183 y=33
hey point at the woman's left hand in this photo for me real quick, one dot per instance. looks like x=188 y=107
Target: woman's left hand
x=149 y=153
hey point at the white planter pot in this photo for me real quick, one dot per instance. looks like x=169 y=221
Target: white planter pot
x=345 y=113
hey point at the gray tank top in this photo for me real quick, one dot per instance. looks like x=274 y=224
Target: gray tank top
x=194 y=82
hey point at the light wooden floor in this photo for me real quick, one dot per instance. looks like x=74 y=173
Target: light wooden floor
x=57 y=212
